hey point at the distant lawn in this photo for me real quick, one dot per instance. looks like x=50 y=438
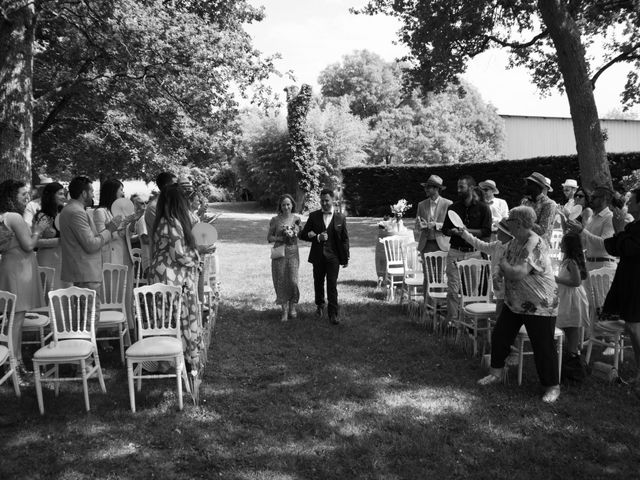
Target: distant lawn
x=374 y=398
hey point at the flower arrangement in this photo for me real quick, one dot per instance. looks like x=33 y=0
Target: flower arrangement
x=397 y=211
x=291 y=231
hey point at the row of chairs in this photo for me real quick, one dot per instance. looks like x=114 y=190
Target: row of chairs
x=477 y=312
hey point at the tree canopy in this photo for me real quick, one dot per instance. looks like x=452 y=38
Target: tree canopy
x=549 y=37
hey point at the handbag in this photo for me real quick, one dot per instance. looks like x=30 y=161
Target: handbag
x=277 y=252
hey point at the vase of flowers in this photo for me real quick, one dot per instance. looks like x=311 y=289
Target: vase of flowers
x=393 y=223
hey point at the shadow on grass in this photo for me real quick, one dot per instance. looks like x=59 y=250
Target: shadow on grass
x=376 y=397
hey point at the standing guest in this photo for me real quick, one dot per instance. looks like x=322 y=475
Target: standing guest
x=569 y=189
x=326 y=229
x=536 y=188
x=584 y=200
x=139 y=233
x=598 y=227
x=283 y=232
x=49 y=252
x=495 y=250
x=116 y=251
x=623 y=298
x=175 y=261
x=498 y=206
x=476 y=217
x=80 y=241
x=34 y=205
x=18 y=265
x=573 y=305
x=162 y=181
x=531 y=298
x=430 y=217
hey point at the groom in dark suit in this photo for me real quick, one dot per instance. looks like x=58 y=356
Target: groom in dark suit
x=326 y=229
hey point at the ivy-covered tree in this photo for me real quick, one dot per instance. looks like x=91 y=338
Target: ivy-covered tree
x=549 y=37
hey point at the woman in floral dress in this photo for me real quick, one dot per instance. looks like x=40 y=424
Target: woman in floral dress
x=283 y=231
x=175 y=261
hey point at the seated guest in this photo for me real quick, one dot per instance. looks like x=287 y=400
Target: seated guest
x=18 y=265
x=531 y=298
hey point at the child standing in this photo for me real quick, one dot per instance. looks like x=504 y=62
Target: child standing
x=573 y=308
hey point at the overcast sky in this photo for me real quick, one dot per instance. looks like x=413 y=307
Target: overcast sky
x=311 y=34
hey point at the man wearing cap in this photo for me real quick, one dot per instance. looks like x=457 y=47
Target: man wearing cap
x=34 y=205
x=430 y=217
x=476 y=217
x=498 y=206
x=537 y=186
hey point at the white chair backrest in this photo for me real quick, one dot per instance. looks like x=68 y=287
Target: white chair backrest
x=46 y=275
x=136 y=258
x=114 y=285
x=394 y=247
x=555 y=239
x=158 y=309
x=436 y=263
x=600 y=280
x=73 y=313
x=7 y=314
x=475 y=280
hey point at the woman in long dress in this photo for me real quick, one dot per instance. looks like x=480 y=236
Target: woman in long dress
x=18 y=266
x=283 y=232
x=175 y=261
x=49 y=254
x=115 y=251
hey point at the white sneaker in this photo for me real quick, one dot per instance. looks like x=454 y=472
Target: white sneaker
x=490 y=379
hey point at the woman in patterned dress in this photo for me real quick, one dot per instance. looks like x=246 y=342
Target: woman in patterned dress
x=283 y=231
x=175 y=261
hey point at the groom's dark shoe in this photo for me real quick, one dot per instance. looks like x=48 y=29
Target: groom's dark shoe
x=333 y=319
x=320 y=311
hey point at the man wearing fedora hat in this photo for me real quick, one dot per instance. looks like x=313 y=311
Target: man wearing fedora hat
x=498 y=206
x=430 y=217
x=536 y=188
x=34 y=205
x=569 y=189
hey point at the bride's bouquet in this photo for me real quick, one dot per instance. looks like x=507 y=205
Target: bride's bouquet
x=291 y=231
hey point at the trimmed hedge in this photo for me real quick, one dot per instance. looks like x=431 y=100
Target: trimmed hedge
x=368 y=191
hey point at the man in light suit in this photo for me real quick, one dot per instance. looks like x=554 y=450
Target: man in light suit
x=326 y=229
x=430 y=217
x=80 y=243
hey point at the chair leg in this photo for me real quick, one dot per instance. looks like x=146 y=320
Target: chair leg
x=589 y=348
x=96 y=360
x=13 y=365
x=36 y=378
x=132 y=395
x=520 y=359
x=85 y=384
x=559 y=342
x=56 y=372
x=616 y=351
x=179 y=367
x=42 y=336
x=123 y=332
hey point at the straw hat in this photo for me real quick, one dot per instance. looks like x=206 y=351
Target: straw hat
x=489 y=184
x=434 y=181
x=541 y=180
x=570 y=182
x=44 y=180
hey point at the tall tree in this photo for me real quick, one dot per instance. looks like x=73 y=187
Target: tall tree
x=17 y=23
x=547 y=36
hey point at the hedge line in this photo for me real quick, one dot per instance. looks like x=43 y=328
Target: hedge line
x=368 y=191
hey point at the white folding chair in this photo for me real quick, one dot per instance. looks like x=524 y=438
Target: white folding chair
x=158 y=308
x=518 y=348
x=436 y=294
x=72 y=312
x=609 y=333
x=413 y=280
x=37 y=320
x=475 y=301
x=394 y=247
x=7 y=352
x=113 y=314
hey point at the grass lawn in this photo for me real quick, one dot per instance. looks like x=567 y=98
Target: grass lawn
x=375 y=397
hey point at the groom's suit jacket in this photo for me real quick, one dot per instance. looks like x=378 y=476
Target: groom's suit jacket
x=338 y=236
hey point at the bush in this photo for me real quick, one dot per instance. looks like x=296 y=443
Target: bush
x=368 y=191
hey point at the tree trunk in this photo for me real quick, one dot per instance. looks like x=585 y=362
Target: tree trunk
x=592 y=157
x=17 y=30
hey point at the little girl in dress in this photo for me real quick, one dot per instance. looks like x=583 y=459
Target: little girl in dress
x=573 y=308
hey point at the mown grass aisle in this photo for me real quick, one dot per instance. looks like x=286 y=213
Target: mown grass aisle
x=375 y=397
